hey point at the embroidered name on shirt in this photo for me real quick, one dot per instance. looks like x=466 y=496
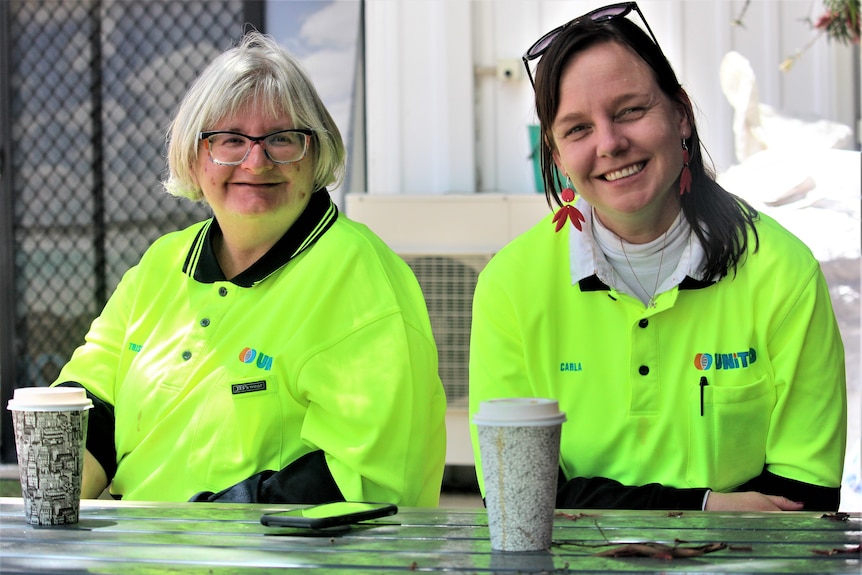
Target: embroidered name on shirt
x=740 y=359
x=248 y=355
x=135 y=347
x=571 y=366
x=238 y=388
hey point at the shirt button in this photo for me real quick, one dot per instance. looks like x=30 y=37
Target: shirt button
x=205 y=322
x=187 y=355
x=643 y=370
x=222 y=291
x=643 y=323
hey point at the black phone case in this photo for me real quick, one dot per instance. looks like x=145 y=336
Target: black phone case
x=276 y=520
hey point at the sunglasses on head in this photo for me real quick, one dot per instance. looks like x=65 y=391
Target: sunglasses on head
x=609 y=12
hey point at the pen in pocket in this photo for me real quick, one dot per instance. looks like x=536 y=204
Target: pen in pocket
x=703 y=384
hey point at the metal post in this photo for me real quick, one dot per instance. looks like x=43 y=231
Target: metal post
x=254 y=14
x=8 y=357
x=100 y=266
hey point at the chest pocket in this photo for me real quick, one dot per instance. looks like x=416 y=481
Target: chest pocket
x=728 y=444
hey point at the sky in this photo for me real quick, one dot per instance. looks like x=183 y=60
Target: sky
x=323 y=35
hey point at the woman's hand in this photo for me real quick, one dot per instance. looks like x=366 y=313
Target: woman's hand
x=94 y=480
x=750 y=501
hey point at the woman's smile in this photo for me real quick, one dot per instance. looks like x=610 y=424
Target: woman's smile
x=624 y=172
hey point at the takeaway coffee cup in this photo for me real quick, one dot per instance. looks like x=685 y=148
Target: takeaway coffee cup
x=519 y=443
x=50 y=434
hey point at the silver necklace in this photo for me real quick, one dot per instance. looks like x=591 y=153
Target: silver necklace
x=651 y=302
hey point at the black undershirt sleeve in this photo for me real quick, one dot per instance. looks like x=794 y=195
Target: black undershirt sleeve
x=100 y=432
x=815 y=497
x=604 y=493
x=307 y=480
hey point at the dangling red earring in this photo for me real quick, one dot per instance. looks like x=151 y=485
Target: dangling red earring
x=568 y=211
x=685 y=176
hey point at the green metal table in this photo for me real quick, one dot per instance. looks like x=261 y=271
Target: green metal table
x=210 y=538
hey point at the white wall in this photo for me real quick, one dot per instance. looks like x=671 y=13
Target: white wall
x=419 y=97
x=440 y=120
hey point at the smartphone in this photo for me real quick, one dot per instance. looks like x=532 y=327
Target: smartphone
x=323 y=516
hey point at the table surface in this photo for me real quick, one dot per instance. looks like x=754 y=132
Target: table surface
x=211 y=538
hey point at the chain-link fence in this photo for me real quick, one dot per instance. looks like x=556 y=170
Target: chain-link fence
x=89 y=88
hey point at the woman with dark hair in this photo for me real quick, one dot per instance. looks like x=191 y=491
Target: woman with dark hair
x=690 y=340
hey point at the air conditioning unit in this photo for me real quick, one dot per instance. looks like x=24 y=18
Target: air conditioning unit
x=447 y=240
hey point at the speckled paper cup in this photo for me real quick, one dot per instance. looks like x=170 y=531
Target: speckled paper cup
x=519 y=443
x=50 y=434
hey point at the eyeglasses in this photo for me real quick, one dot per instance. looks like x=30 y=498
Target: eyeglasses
x=232 y=148
x=609 y=12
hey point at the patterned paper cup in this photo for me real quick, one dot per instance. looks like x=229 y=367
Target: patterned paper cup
x=50 y=435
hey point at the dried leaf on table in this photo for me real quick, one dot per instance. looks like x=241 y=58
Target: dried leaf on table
x=659 y=550
x=850 y=550
x=837 y=516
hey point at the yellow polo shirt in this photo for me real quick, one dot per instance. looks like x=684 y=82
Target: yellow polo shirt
x=715 y=383
x=324 y=344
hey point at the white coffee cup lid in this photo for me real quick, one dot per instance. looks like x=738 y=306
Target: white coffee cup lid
x=49 y=399
x=516 y=411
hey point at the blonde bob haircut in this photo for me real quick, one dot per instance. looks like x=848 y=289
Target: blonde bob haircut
x=256 y=71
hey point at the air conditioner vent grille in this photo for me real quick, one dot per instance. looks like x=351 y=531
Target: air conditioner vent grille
x=448 y=282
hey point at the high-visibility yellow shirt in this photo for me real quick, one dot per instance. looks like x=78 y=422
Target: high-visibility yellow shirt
x=715 y=383
x=324 y=344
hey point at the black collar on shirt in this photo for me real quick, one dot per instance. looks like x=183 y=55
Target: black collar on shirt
x=318 y=216
x=593 y=283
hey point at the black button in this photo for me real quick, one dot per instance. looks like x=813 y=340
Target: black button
x=643 y=323
x=222 y=291
x=205 y=322
x=187 y=355
x=643 y=370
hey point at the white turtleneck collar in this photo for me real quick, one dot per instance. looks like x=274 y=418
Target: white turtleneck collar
x=635 y=269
